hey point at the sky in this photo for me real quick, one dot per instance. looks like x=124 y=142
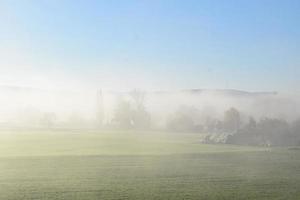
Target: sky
x=152 y=45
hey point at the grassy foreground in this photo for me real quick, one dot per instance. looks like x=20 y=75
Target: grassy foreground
x=133 y=165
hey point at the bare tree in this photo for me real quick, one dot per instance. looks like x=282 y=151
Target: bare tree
x=141 y=118
x=138 y=97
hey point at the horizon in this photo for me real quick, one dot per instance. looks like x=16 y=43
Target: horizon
x=141 y=89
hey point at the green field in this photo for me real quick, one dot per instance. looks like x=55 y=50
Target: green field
x=141 y=165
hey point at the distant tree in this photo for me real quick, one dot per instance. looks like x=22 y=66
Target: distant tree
x=251 y=124
x=295 y=132
x=267 y=132
x=295 y=127
x=232 y=120
x=123 y=115
x=212 y=125
x=246 y=135
x=132 y=113
x=138 y=97
x=184 y=120
x=274 y=131
x=141 y=118
x=181 y=122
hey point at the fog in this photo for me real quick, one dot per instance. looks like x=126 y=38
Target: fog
x=22 y=106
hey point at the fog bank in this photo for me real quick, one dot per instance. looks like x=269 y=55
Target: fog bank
x=30 y=107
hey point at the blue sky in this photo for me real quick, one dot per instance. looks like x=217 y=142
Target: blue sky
x=239 y=44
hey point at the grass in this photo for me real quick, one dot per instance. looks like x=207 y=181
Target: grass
x=136 y=165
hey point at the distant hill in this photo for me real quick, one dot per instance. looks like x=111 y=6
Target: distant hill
x=222 y=92
x=228 y=92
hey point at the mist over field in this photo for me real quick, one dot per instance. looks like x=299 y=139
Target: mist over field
x=149 y=100
x=185 y=144
x=26 y=106
x=221 y=116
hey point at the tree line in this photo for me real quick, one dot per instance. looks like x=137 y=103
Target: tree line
x=231 y=130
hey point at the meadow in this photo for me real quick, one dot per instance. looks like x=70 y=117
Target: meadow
x=90 y=165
